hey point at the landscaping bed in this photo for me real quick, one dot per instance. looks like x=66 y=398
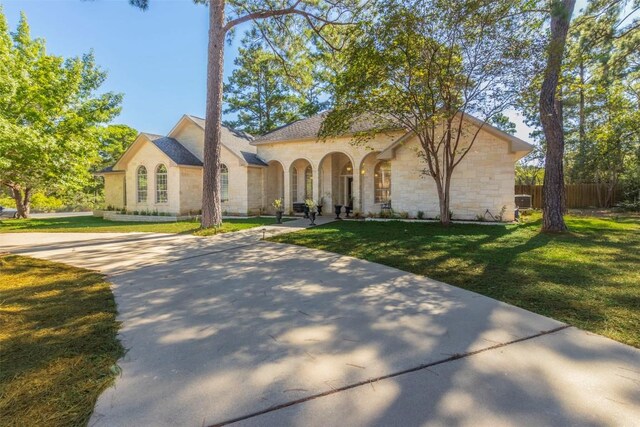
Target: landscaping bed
x=90 y=224
x=58 y=345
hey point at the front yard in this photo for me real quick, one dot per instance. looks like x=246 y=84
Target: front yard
x=589 y=278
x=58 y=345
x=91 y=224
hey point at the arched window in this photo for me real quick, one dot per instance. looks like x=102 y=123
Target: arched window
x=294 y=184
x=141 y=179
x=161 y=184
x=308 y=183
x=224 y=183
x=382 y=182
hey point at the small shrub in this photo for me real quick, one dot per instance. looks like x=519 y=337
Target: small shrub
x=630 y=205
x=403 y=215
x=480 y=218
x=386 y=214
x=420 y=215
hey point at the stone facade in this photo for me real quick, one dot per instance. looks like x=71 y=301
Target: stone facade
x=332 y=172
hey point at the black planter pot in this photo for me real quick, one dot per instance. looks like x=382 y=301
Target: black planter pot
x=278 y=217
x=319 y=210
x=312 y=216
x=338 y=209
x=306 y=211
x=348 y=210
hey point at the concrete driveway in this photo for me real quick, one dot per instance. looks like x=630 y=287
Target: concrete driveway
x=233 y=329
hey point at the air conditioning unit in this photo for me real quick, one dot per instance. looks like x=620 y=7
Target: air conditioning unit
x=523 y=201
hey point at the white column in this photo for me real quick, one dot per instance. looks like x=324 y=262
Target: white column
x=357 y=186
x=316 y=183
x=287 y=202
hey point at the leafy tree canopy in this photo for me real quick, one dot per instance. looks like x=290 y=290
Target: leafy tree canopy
x=422 y=66
x=49 y=110
x=266 y=91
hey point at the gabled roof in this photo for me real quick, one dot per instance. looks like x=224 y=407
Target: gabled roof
x=516 y=145
x=300 y=129
x=108 y=169
x=170 y=147
x=174 y=150
x=253 y=159
x=309 y=128
x=237 y=142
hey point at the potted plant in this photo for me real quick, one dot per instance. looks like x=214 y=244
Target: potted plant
x=277 y=204
x=310 y=207
x=319 y=206
x=348 y=208
x=338 y=210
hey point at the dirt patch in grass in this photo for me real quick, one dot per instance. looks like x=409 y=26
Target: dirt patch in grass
x=58 y=345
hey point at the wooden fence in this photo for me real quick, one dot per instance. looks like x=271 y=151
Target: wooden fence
x=579 y=196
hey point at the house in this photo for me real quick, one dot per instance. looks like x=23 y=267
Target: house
x=164 y=173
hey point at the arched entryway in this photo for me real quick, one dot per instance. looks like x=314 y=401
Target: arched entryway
x=274 y=184
x=301 y=183
x=375 y=182
x=337 y=185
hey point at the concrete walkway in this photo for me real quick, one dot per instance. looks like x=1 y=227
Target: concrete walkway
x=59 y=215
x=235 y=329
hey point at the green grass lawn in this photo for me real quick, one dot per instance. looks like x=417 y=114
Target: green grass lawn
x=589 y=278
x=91 y=224
x=58 y=345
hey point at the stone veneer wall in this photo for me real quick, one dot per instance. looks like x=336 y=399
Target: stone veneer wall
x=114 y=190
x=483 y=180
x=255 y=190
x=150 y=156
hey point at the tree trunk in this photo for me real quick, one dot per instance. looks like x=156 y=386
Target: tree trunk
x=443 y=199
x=211 y=204
x=23 y=201
x=553 y=197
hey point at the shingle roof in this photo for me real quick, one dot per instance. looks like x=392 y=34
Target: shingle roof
x=227 y=132
x=253 y=159
x=300 y=129
x=310 y=127
x=237 y=142
x=109 y=169
x=174 y=150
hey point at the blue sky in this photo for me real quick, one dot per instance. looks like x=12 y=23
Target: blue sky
x=157 y=58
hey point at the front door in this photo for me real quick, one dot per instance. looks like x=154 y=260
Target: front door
x=349 y=191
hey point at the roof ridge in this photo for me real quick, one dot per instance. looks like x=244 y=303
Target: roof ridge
x=292 y=123
x=155 y=134
x=242 y=133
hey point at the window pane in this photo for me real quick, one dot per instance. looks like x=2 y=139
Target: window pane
x=294 y=184
x=224 y=183
x=161 y=184
x=308 y=183
x=142 y=184
x=382 y=182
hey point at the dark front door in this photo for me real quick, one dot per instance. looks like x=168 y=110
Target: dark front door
x=350 y=191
